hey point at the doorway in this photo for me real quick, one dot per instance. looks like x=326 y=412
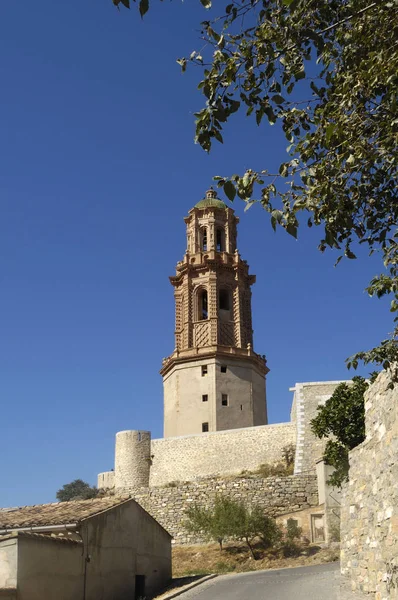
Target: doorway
x=139 y=587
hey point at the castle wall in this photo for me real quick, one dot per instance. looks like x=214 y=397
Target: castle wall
x=106 y=480
x=307 y=398
x=218 y=453
x=276 y=495
x=369 y=515
x=132 y=458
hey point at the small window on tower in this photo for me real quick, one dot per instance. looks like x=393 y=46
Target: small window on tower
x=205 y=398
x=205 y=427
x=223 y=368
x=204 y=370
x=224 y=399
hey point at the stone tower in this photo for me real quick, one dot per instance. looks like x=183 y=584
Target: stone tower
x=213 y=380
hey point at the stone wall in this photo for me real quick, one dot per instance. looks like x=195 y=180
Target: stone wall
x=307 y=397
x=218 y=453
x=369 y=516
x=140 y=462
x=277 y=495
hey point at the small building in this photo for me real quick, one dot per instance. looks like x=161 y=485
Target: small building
x=102 y=549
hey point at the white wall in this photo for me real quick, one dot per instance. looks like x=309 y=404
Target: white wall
x=8 y=563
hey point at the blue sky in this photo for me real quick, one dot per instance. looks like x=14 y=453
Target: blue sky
x=98 y=168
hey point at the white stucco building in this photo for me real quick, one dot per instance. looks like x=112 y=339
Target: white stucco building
x=98 y=549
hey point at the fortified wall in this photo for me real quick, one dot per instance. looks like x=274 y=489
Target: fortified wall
x=369 y=516
x=276 y=495
x=140 y=462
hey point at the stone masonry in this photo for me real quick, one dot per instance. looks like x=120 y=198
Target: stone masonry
x=140 y=462
x=277 y=495
x=369 y=516
x=307 y=397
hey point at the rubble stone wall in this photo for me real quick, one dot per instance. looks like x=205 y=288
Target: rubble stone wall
x=277 y=495
x=369 y=515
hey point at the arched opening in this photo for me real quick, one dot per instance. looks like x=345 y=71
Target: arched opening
x=220 y=240
x=224 y=300
x=203 y=234
x=203 y=307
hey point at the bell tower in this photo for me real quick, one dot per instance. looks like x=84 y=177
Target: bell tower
x=213 y=380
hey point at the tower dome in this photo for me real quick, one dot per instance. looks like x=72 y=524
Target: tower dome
x=211 y=200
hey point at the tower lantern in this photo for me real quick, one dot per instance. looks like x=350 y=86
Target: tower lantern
x=213 y=380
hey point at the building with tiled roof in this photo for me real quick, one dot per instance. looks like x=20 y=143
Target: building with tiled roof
x=98 y=549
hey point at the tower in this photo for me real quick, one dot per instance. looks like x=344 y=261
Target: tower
x=213 y=380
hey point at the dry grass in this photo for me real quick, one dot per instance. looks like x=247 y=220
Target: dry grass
x=205 y=559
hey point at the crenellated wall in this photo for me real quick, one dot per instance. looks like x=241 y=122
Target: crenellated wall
x=369 y=515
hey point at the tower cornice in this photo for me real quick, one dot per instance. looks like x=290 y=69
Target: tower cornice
x=218 y=351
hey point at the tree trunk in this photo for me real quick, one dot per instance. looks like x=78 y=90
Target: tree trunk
x=250 y=548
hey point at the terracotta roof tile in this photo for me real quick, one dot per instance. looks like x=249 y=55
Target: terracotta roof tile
x=56 y=513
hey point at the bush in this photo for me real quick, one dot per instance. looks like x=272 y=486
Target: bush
x=76 y=490
x=231 y=519
x=292 y=533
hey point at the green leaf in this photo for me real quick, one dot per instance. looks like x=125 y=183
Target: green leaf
x=329 y=131
x=206 y=3
x=229 y=190
x=125 y=3
x=143 y=7
x=278 y=99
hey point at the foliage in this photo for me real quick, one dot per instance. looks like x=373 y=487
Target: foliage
x=76 y=490
x=343 y=417
x=292 y=535
x=327 y=72
x=280 y=469
x=269 y=532
x=231 y=519
x=215 y=523
x=289 y=453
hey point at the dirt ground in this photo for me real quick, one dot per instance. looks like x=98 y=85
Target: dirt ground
x=206 y=559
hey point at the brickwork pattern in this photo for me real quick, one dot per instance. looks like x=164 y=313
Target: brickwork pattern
x=369 y=516
x=277 y=495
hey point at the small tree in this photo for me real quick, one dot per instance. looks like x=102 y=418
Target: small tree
x=76 y=490
x=231 y=519
x=343 y=417
x=215 y=523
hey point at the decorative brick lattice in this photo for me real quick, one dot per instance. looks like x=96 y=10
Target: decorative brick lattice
x=227 y=334
x=202 y=334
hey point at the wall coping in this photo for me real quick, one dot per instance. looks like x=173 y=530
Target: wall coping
x=225 y=431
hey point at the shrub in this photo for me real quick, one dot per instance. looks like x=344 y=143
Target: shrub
x=292 y=533
x=76 y=490
x=231 y=519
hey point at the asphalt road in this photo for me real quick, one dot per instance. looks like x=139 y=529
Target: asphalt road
x=320 y=582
